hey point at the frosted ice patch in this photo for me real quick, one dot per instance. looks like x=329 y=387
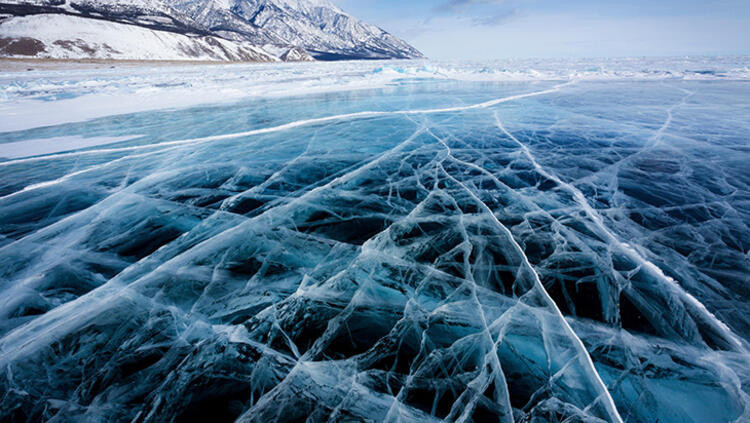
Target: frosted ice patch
x=38 y=147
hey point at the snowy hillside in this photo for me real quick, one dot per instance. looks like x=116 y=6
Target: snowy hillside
x=71 y=37
x=196 y=29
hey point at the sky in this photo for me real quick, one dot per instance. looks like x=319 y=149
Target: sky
x=496 y=29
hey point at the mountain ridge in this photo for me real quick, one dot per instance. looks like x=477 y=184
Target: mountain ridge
x=286 y=29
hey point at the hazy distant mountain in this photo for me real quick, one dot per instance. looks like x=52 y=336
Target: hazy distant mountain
x=259 y=30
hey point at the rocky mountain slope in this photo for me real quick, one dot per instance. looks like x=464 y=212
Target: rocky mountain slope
x=255 y=30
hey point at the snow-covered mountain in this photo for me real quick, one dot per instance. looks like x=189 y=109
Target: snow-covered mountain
x=198 y=29
x=50 y=36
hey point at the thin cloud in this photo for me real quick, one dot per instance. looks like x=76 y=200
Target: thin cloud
x=497 y=19
x=451 y=6
x=477 y=12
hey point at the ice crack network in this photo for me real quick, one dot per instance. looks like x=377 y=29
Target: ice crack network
x=432 y=251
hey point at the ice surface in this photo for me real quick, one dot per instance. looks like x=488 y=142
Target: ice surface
x=29 y=148
x=384 y=244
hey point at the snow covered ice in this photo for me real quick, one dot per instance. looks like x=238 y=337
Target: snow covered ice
x=371 y=241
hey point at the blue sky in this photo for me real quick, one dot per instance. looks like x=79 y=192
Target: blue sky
x=487 y=29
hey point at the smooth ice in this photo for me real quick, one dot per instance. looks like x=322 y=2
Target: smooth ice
x=397 y=242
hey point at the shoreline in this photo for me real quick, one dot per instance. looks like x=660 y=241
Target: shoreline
x=8 y=64
x=25 y=64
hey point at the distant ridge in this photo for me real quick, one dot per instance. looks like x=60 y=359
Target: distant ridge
x=224 y=30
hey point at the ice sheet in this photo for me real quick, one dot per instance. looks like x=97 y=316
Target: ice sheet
x=355 y=243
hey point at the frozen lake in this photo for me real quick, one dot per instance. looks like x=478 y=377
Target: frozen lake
x=393 y=241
